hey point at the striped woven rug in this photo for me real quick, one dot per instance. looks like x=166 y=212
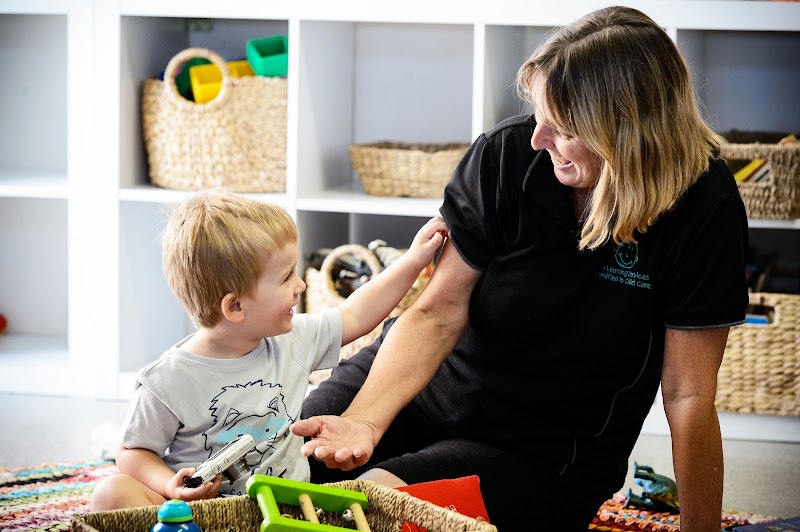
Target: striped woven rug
x=44 y=498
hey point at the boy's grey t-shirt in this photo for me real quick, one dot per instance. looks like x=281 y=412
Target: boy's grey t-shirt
x=185 y=407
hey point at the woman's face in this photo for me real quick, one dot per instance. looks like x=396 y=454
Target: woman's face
x=575 y=164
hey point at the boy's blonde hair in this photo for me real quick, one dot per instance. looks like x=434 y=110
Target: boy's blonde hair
x=215 y=243
x=616 y=80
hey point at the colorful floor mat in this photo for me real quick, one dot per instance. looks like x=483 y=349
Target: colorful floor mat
x=613 y=516
x=45 y=497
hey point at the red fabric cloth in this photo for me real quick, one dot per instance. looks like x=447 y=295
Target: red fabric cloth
x=462 y=495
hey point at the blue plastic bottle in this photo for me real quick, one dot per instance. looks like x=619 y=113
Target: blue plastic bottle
x=175 y=516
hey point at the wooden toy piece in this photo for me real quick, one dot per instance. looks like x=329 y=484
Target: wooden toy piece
x=358 y=517
x=307 y=506
x=269 y=491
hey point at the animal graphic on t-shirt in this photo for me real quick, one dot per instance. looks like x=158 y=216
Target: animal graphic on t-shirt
x=256 y=408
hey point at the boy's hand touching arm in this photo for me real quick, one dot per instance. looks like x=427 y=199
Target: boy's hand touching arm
x=146 y=467
x=368 y=306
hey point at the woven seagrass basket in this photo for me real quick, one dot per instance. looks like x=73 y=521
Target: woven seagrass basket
x=321 y=293
x=399 y=169
x=387 y=511
x=760 y=371
x=778 y=197
x=237 y=140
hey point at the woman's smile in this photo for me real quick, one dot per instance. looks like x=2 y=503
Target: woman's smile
x=558 y=161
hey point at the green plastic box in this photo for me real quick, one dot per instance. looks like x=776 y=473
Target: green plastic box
x=269 y=56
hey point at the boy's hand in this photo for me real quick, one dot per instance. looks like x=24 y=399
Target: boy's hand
x=427 y=240
x=175 y=488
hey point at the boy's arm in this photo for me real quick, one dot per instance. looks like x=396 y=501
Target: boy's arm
x=371 y=303
x=149 y=469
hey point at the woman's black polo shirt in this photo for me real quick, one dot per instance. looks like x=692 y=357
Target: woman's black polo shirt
x=563 y=344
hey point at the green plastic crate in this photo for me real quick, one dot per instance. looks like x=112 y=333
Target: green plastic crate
x=269 y=56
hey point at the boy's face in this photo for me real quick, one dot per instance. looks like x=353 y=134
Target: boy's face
x=269 y=310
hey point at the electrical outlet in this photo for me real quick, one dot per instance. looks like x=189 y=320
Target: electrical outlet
x=201 y=25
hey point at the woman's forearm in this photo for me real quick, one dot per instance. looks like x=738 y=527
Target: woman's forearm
x=418 y=343
x=410 y=355
x=698 y=460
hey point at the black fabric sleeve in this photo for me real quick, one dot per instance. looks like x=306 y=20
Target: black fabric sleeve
x=469 y=205
x=705 y=285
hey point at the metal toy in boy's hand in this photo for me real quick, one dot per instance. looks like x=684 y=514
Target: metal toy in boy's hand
x=229 y=461
x=659 y=493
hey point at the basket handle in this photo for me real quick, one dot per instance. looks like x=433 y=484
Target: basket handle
x=178 y=60
x=348 y=249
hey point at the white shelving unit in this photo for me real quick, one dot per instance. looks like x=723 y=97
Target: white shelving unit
x=44 y=51
x=33 y=192
x=80 y=222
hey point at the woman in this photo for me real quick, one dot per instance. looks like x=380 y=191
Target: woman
x=597 y=250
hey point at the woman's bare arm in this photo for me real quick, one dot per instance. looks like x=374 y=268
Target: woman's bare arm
x=689 y=384
x=421 y=339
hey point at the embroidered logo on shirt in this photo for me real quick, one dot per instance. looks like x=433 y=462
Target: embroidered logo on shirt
x=626 y=256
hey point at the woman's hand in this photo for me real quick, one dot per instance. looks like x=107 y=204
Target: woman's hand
x=340 y=443
x=175 y=489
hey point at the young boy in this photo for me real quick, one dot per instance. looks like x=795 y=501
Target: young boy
x=232 y=262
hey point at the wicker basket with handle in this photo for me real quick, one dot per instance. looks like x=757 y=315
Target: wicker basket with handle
x=777 y=197
x=321 y=293
x=387 y=511
x=400 y=169
x=760 y=370
x=237 y=140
